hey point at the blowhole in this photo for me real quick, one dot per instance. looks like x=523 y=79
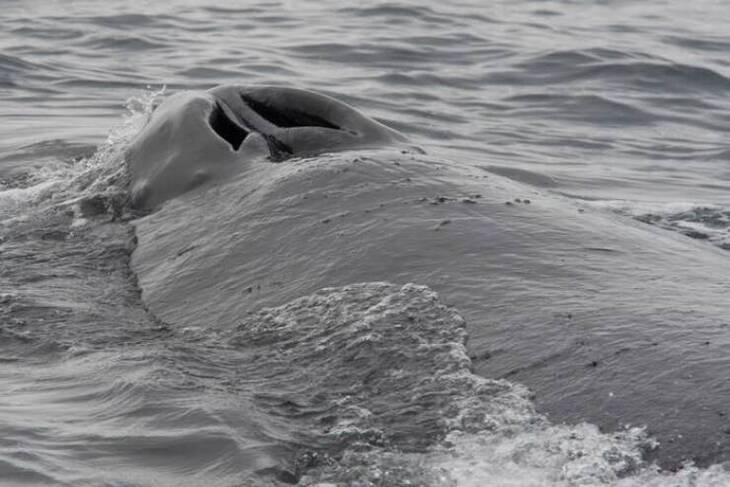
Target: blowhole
x=287 y=117
x=226 y=128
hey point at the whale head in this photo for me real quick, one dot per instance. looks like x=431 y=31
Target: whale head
x=197 y=136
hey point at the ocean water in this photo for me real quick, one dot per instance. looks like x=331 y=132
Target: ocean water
x=532 y=291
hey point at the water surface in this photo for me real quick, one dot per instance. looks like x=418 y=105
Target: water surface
x=128 y=361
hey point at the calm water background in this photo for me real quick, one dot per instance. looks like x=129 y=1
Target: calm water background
x=625 y=105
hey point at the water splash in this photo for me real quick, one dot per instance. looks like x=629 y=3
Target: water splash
x=390 y=400
x=65 y=184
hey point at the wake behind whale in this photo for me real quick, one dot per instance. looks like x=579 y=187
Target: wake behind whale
x=577 y=287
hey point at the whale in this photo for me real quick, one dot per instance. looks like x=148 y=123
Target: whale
x=603 y=317
x=194 y=137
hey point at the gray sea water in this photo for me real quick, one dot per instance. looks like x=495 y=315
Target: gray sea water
x=534 y=291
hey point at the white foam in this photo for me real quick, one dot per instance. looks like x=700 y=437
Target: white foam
x=64 y=184
x=494 y=437
x=519 y=448
x=563 y=456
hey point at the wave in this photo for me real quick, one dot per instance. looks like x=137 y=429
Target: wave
x=584 y=108
x=604 y=66
x=122 y=43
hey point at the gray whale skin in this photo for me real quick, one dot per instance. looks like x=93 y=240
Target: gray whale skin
x=197 y=136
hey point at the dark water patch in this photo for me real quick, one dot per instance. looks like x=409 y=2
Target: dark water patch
x=366 y=53
x=625 y=29
x=674 y=77
x=266 y=18
x=436 y=117
x=122 y=21
x=21 y=475
x=122 y=43
x=270 y=69
x=56 y=149
x=579 y=57
x=19 y=344
x=49 y=32
x=88 y=82
x=628 y=69
x=102 y=417
x=585 y=108
x=546 y=13
x=233 y=10
x=15 y=65
x=721 y=155
x=693 y=103
x=209 y=73
x=66 y=279
x=719 y=45
x=427 y=79
x=591 y=144
x=6 y=81
x=669 y=150
x=453 y=39
x=401 y=14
